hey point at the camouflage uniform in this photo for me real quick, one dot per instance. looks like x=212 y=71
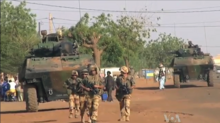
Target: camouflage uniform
x=82 y=98
x=73 y=88
x=132 y=72
x=91 y=98
x=124 y=99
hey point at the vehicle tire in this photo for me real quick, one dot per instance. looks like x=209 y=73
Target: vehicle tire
x=31 y=98
x=211 y=78
x=176 y=80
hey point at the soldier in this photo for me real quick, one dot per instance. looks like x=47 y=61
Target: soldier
x=72 y=86
x=162 y=76
x=82 y=97
x=93 y=87
x=190 y=44
x=124 y=86
x=131 y=71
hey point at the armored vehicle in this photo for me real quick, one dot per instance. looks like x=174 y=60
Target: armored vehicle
x=190 y=63
x=50 y=63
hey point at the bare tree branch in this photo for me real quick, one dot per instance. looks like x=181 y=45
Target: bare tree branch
x=84 y=41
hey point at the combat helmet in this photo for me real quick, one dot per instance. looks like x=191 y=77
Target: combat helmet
x=74 y=73
x=60 y=33
x=124 y=69
x=85 y=71
x=92 y=67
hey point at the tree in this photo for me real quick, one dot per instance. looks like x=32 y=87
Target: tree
x=18 y=35
x=94 y=33
x=156 y=51
x=112 y=55
x=132 y=35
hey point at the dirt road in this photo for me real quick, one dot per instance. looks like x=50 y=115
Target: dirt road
x=195 y=103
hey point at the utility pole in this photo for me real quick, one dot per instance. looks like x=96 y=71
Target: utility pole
x=50 y=24
x=205 y=37
x=39 y=24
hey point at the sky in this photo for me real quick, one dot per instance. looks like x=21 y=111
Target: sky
x=200 y=27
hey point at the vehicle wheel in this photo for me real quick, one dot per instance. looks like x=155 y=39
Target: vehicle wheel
x=31 y=99
x=176 y=80
x=210 y=81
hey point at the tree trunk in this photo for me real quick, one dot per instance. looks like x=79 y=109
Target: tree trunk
x=96 y=51
x=97 y=56
x=126 y=61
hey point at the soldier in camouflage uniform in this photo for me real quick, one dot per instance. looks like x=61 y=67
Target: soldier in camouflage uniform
x=72 y=86
x=124 y=98
x=82 y=97
x=93 y=93
x=131 y=71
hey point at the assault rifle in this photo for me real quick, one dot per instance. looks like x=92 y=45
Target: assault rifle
x=92 y=88
x=74 y=87
x=125 y=90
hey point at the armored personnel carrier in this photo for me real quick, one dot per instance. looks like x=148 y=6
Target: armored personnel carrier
x=190 y=63
x=50 y=63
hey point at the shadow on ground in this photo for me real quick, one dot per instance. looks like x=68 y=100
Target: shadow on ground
x=24 y=111
x=168 y=87
x=99 y=121
x=45 y=121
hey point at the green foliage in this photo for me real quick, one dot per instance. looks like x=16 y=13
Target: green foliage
x=96 y=34
x=124 y=40
x=89 y=28
x=18 y=35
x=112 y=54
x=156 y=51
x=132 y=35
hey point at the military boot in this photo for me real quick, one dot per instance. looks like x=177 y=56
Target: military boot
x=122 y=118
x=76 y=114
x=127 y=119
x=93 y=121
x=71 y=112
x=82 y=120
x=71 y=115
x=89 y=120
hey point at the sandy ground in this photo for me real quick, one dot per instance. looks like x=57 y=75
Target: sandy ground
x=194 y=103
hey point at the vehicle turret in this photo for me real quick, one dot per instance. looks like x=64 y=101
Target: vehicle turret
x=54 y=45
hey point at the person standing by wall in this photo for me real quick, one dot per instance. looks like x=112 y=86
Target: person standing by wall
x=5 y=88
x=19 y=90
x=110 y=85
x=12 y=91
x=162 y=76
x=131 y=71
